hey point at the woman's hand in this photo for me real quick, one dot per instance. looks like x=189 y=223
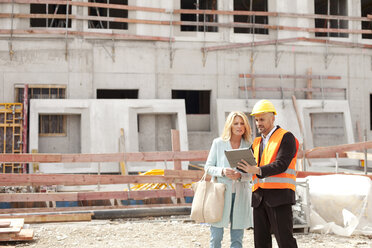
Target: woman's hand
x=232 y=174
x=248 y=168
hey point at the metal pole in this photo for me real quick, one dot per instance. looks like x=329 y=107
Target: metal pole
x=25 y=124
x=365 y=155
x=336 y=162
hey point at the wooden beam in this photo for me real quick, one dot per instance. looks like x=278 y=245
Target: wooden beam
x=339 y=43
x=249 y=44
x=24 y=234
x=176 y=147
x=358 y=155
x=7 y=211
x=84 y=196
x=106 y=157
x=88 y=4
x=88 y=34
x=294 y=89
x=79 y=179
x=89 y=18
x=330 y=151
x=279 y=41
x=303 y=174
x=294 y=76
x=47 y=218
x=309 y=95
x=190 y=11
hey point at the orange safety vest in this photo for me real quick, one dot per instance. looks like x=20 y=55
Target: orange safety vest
x=285 y=180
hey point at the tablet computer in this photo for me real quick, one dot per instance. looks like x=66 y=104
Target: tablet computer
x=236 y=155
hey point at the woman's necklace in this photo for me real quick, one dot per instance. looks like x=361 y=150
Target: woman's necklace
x=234 y=145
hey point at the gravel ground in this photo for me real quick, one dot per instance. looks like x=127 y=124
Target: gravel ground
x=159 y=232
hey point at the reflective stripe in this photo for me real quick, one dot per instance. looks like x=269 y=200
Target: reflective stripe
x=290 y=171
x=275 y=180
x=284 y=180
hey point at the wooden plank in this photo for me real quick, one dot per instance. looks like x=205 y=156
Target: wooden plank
x=279 y=41
x=88 y=4
x=4 y=223
x=83 y=179
x=358 y=155
x=17 y=222
x=330 y=151
x=90 y=18
x=303 y=174
x=24 y=234
x=80 y=196
x=309 y=95
x=47 y=218
x=106 y=157
x=294 y=89
x=79 y=33
x=85 y=208
x=10 y=230
x=15 y=225
x=309 y=76
x=176 y=147
x=190 y=11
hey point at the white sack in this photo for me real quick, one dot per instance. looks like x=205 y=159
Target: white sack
x=340 y=204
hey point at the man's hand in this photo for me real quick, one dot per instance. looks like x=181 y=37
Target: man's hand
x=248 y=168
x=232 y=174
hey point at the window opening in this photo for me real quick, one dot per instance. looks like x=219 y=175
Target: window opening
x=199 y=5
x=331 y=7
x=117 y=94
x=49 y=125
x=366 y=10
x=247 y=5
x=57 y=22
x=196 y=101
x=108 y=12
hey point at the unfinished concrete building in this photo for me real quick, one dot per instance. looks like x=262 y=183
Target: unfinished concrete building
x=95 y=67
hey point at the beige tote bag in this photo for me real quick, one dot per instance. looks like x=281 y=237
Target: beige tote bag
x=209 y=199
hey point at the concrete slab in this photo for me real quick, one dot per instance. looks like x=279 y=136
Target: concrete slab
x=101 y=121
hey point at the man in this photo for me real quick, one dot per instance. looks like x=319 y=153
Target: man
x=274 y=179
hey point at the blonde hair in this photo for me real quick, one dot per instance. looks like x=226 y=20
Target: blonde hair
x=226 y=134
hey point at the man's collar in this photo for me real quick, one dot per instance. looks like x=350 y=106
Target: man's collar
x=270 y=133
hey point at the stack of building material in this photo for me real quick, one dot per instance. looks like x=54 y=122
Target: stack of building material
x=12 y=230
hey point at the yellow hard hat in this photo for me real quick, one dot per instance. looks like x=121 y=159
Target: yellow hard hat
x=263 y=106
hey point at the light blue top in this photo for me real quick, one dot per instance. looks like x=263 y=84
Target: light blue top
x=242 y=213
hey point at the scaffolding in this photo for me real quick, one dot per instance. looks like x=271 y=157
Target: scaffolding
x=11 y=120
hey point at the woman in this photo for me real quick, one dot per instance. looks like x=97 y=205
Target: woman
x=237 y=209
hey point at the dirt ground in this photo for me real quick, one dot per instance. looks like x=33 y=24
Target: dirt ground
x=158 y=232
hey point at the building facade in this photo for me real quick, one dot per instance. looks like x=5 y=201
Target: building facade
x=201 y=51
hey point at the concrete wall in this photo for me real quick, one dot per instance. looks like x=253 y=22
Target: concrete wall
x=100 y=122
x=147 y=66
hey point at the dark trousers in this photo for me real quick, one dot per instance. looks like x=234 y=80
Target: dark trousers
x=277 y=220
